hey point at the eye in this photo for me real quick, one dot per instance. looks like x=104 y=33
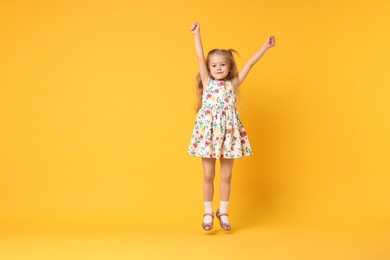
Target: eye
x=213 y=65
x=223 y=64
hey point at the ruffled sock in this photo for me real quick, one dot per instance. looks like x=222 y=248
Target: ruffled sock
x=208 y=208
x=223 y=208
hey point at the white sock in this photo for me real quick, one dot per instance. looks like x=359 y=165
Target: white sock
x=223 y=208
x=208 y=208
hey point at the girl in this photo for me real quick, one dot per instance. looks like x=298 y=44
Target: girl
x=218 y=131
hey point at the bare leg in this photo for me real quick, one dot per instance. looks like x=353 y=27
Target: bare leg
x=226 y=177
x=208 y=178
x=208 y=191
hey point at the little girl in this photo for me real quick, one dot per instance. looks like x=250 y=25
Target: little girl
x=218 y=131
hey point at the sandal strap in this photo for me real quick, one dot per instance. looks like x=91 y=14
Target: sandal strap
x=225 y=226
x=222 y=214
x=208 y=214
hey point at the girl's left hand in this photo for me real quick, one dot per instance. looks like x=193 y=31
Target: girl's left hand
x=270 y=42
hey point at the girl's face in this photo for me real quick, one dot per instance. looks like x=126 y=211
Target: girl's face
x=219 y=67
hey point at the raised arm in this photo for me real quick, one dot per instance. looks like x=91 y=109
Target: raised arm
x=252 y=61
x=204 y=75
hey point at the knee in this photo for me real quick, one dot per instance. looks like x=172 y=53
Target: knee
x=226 y=176
x=208 y=176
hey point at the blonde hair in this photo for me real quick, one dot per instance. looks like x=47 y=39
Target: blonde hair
x=232 y=75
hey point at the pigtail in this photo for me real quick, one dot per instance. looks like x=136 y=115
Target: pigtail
x=231 y=51
x=233 y=74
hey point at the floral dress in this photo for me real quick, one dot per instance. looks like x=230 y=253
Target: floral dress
x=218 y=130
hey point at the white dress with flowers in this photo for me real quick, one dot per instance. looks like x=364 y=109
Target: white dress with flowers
x=218 y=131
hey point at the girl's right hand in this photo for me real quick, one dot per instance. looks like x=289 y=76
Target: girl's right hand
x=195 y=28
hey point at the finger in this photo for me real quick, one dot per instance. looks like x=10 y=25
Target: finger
x=194 y=26
x=272 y=40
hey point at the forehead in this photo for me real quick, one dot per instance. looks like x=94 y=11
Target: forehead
x=217 y=58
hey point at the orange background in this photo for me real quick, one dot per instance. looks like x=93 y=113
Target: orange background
x=96 y=112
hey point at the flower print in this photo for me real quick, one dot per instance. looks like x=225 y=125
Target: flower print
x=218 y=131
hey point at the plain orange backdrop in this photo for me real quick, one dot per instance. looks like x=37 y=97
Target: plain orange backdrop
x=96 y=113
